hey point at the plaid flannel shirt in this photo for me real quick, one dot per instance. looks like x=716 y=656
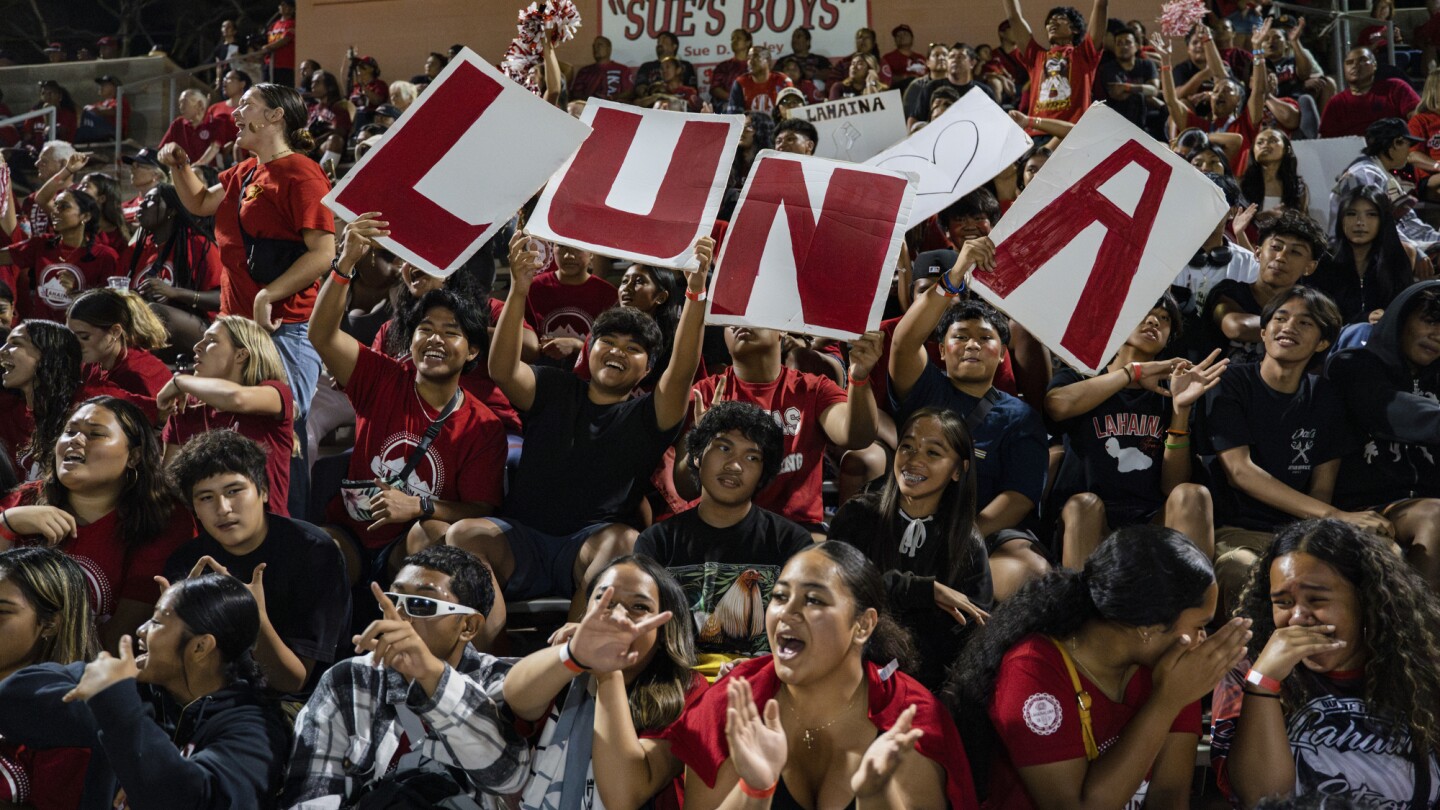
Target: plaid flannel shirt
x=348 y=732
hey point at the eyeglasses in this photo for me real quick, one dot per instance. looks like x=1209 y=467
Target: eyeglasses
x=423 y=607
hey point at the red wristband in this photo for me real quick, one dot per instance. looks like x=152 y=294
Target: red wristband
x=1257 y=678
x=568 y=660
x=758 y=794
x=340 y=279
x=1136 y=372
x=858 y=381
x=694 y=296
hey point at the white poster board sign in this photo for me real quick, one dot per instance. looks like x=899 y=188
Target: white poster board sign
x=858 y=128
x=644 y=186
x=956 y=153
x=1320 y=163
x=1096 y=238
x=811 y=247
x=458 y=164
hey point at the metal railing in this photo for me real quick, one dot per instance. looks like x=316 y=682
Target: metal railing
x=170 y=101
x=1340 y=17
x=46 y=112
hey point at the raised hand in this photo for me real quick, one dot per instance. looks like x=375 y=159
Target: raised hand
x=1189 y=383
x=1288 y=646
x=395 y=644
x=698 y=405
x=1151 y=373
x=604 y=641
x=173 y=156
x=104 y=672
x=524 y=262
x=1192 y=667
x=76 y=163
x=360 y=236
x=883 y=756
x=865 y=353
x=705 y=254
x=1243 y=219
x=1258 y=37
x=758 y=748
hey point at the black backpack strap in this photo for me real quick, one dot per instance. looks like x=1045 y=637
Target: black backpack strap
x=430 y=434
x=977 y=415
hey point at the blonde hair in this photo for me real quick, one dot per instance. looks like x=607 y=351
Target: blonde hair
x=104 y=307
x=1430 y=94
x=264 y=363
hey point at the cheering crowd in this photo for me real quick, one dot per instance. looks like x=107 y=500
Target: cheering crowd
x=271 y=492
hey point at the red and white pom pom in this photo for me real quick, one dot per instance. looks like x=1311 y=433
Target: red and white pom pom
x=520 y=60
x=1179 y=17
x=4 y=184
x=561 y=20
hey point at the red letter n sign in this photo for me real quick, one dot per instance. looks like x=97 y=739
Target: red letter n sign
x=457 y=165
x=1097 y=237
x=645 y=185
x=812 y=246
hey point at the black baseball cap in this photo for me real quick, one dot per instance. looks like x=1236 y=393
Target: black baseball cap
x=934 y=263
x=107 y=79
x=1388 y=130
x=145 y=157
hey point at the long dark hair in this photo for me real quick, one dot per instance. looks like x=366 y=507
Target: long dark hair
x=221 y=606
x=667 y=317
x=1140 y=575
x=1387 y=267
x=1292 y=186
x=1399 y=616
x=657 y=697
x=177 y=247
x=57 y=378
x=145 y=502
x=407 y=313
x=890 y=641
x=955 y=517
x=86 y=205
x=54 y=585
x=111 y=210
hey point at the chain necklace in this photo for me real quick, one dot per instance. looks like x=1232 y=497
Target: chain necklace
x=1073 y=645
x=808 y=735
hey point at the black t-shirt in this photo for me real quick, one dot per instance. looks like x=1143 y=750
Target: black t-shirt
x=727 y=573
x=1237 y=351
x=1132 y=107
x=307 y=594
x=1289 y=435
x=1120 y=447
x=1184 y=72
x=922 y=106
x=583 y=463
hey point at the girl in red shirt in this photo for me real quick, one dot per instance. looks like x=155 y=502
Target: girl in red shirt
x=114 y=230
x=117 y=333
x=48 y=621
x=239 y=384
x=58 y=268
x=175 y=265
x=1126 y=636
x=105 y=503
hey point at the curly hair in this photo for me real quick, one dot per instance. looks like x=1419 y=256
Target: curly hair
x=657 y=697
x=1298 y=225
x=621 y=320
x=752 y=422
x=57 y=378
x=1076 y=19
x=145 y=501
x=1399 y=614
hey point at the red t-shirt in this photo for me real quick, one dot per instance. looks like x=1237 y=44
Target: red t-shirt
x=195 y=139
x=284 y=58
x=274 y=434
x=1426 y=125
x=760 y=96
x=45 y=779
x=204 y=264
x=1350 y=114
x=112 y=571
x=609 y=80
x=56 y=275
x=796 y=400
x=466 y=462
x=1061 y=79
x=902 y=66
x=1035 y=715
x=283 y=199
x=38 y=216
x=136 y=371
x=118 y=243
x=131 y=208
x=218 y=113
x=556 y=309
x=477 y=382
x=725 y=73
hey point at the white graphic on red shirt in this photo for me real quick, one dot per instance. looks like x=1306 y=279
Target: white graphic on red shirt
x=1042 y=713
x=1055 y=87
x=425 y=480
x=164 y=272
x=59 y=284
x=566 y=322
x=102 y=595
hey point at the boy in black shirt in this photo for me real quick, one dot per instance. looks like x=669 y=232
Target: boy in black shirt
x=1290 y=249
x=1279 y=433
x=726 y=551
x=586 y=444
x=295 y=570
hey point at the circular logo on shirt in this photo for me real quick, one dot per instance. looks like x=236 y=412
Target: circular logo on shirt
x=59 y=284
x=102 y=595
x=428 y=477
x=566 y=322
x=165 y=272
x=1042 y=713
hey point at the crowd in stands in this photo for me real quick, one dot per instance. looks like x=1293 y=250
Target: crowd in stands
x=272 y=495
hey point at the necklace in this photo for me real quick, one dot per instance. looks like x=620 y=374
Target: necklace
x=808 y=735
x=1074 y=649
x=278 y=155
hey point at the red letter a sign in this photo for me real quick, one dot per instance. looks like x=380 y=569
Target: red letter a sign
x=1097 y=237
x=789 y=265
x=457 y=165
x=645 y=185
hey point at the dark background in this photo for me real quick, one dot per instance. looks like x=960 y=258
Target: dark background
x=186 y=29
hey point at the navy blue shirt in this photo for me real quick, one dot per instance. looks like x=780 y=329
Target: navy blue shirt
x=1010 y=445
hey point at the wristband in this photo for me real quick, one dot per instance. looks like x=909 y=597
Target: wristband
x=1174 y=432
x=569 y=660
x=1164 y=68
x=758 y=794
x=853 y=381
x=694 y=296
x=1257 y=54
x=951 y=290
x=1136 y=372
x=1257 y=678
x=335 y=268
x=1177 y=445
x=1259 y=694
x=6 y=532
